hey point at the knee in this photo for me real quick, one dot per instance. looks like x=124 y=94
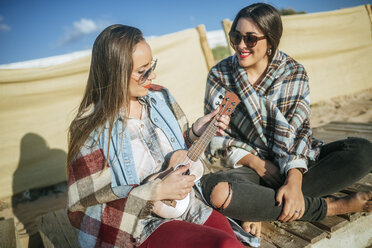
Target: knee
x=362 y=151
x=221 y=195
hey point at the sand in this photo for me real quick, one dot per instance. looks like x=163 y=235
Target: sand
x=351 y=108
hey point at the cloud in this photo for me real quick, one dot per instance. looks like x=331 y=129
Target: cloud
x=3 y=27
x=79 y=29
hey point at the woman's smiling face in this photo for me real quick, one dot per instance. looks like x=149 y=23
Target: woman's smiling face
x=250 y=56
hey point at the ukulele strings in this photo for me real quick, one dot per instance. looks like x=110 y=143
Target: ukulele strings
x=203 y=141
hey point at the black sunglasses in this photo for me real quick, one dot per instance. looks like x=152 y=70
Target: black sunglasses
x=249 y=39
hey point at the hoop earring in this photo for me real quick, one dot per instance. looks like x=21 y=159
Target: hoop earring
x=269 y=51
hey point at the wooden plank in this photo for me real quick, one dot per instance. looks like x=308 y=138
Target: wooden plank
x=340 y=130
x=8 y=234
x=208 y=55
x=67 y=229
x=331 y=223
x=266 y=244
x=305 y=230
x=351 y=216
x=367 y=180
x=50 y=231
x=281 y=238
x=349 y=127
x=226 y=24
x=357 y=187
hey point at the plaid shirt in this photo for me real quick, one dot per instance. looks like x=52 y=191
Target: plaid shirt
x=107 y=216
x=272 y=121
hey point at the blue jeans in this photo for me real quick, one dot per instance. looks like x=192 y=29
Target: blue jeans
x=340 y=164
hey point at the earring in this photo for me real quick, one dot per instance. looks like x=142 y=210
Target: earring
x=269 y=51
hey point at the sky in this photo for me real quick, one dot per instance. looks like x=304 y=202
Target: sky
x=33 y=29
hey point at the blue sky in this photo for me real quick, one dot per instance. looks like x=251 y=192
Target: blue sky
x=32 y=29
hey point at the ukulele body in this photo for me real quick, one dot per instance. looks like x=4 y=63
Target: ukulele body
x=171 y=209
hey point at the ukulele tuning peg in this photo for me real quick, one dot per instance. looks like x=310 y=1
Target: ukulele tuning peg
x=233 y=103
x=218 y=103
x=227 y=99
x=221 y=96
x=232 y=114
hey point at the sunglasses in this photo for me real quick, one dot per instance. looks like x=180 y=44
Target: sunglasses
x=249 y=39
x=144 y=76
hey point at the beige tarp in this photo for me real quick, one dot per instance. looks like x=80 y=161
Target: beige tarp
x=335 y=47
x=37 y=105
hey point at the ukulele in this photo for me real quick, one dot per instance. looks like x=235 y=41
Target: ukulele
x=174 y=208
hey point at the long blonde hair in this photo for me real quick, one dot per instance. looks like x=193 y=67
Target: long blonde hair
x=107 y=88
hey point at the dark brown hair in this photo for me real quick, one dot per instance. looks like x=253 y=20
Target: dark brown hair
x=267 y=19
x=107 y=89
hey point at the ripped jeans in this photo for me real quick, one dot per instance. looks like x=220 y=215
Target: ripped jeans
x=340 y=164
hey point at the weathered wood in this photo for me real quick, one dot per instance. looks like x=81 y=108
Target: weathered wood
x=331 y=223
x=281 y=238
x=305 y=230
x=54 y=230
x=226 y=25
x=341 y=130
x=66 y=227
x=351 y=216
x=357 y=187
x=8 y=234
x=349 y=127
x=208 y=55
x=367 y=180
x=265 y=243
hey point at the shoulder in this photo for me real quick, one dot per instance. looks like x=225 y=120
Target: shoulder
x=286 y=63
x=224 y=66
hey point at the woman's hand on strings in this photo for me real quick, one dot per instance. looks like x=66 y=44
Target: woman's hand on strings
x=176 y=186
x=202 y=123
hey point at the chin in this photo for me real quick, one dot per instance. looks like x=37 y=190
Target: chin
x=245 y=63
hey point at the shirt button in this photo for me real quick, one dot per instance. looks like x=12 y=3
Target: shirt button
x=173 y=139
x=155 y=119
x=150 y=142
x=159 y=161
x=142 y=126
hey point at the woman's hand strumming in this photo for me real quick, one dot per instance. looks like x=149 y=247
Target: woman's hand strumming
x=176 y=186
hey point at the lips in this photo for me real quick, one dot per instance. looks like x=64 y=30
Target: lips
x=244 y=54
x=147 y=86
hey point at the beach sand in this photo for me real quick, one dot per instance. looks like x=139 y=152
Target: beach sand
x=26 y=207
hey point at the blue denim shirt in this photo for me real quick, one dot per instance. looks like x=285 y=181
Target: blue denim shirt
x=120 y=154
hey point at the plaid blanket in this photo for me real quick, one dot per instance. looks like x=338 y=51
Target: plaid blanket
x=104 y=219
x=272 y=121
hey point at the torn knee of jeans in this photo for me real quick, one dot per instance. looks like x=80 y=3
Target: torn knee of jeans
x=217 y=198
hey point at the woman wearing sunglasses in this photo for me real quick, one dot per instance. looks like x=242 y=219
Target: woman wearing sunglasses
x=279 y=171
x=124 y=130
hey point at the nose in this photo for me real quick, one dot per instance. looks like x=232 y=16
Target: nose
x=241 y=44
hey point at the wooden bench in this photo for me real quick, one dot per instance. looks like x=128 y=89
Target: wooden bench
x=56 y=230
x=8 y=234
